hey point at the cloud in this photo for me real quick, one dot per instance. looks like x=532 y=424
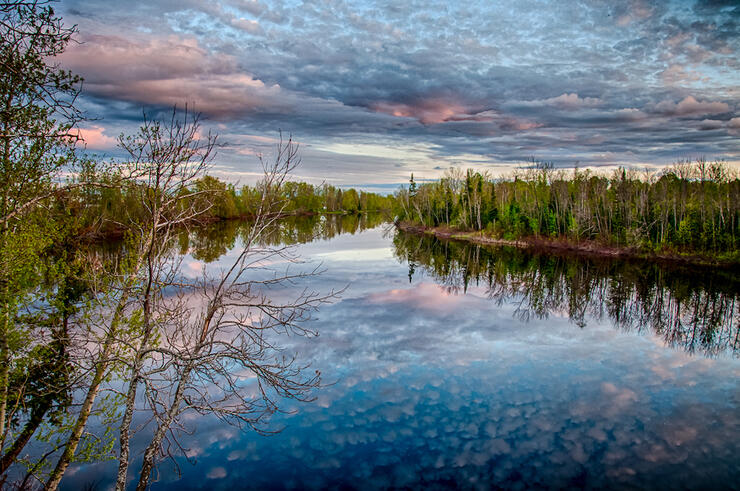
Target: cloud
x=171 y=71
x=216 y=473
x=222 y=96
x=425 y=115
x=677 y=74
x=573 y=101
x=630 y=114
x=734 y=126
x=250 y=26
x=426 y=296
x=427 y=111
x=711 y=124
x=108 y=59
x=94 y=138
x=480 y=94
x=636 y=10
x=689 y=106
x=567 y=101
x=252 y=6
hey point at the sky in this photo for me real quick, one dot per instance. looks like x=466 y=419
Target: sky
x=374 y=91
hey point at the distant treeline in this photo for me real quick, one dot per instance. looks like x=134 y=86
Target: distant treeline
x=112 y=203
x=687 y=208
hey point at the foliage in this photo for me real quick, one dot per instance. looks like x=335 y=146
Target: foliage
x=37 y=288
x=105 y=210
x=689 y=208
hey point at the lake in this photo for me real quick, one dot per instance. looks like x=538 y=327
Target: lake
x=453 y=365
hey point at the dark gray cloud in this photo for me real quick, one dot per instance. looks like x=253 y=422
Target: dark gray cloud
x=597 y=82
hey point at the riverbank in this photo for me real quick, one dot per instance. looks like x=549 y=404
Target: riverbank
x=563 y=246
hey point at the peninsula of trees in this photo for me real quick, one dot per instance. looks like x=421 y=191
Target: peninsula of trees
x=690 y=210
x=103 y=209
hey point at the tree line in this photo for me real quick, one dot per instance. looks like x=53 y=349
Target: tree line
x=689 y=207
x=103 y=209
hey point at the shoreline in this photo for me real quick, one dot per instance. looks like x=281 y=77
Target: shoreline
x=115 y=232
x=563 y=246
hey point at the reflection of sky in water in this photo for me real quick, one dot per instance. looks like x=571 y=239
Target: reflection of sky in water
x=438 y=390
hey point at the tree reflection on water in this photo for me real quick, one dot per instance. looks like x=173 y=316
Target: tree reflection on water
x=691 y=308
x=209 y=243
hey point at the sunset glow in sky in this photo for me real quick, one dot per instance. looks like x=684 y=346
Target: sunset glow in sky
x=377 y=90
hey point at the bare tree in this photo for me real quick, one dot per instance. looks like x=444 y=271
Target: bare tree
x=208 y=345
x=165 y=161
x=204 y=340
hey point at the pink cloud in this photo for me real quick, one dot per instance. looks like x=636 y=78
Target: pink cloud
x=221 y=95
x=112 y=59
x=572 y=101
x=690 y=106
x=95 y=138
x=734 y=126
x=678 y=39
x=710 y=124
x=428 y=296
x=518 y=124
x=677 y=74
x=567 y=101
x=437 y=110
x=428 y=111
x=250 y=26
x=169 y=71
x=637 y=10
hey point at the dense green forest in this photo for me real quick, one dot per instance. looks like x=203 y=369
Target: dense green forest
x=689 y=207
x=104 y=209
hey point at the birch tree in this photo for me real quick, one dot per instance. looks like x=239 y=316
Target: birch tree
x=217 y=348
x=37 y=116
x=165 y=160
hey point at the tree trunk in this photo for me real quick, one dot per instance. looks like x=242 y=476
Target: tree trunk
x=4 y=372
x=86 y=408
x=37 y=416
x=150 y=453
x=76 y=435
x=125 y=436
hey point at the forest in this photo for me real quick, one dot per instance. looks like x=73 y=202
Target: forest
x=688 y=208
x=102 y=205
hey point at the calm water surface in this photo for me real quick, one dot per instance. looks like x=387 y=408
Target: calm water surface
x=457 y=366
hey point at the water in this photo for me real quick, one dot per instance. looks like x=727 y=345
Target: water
x=451 y=365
